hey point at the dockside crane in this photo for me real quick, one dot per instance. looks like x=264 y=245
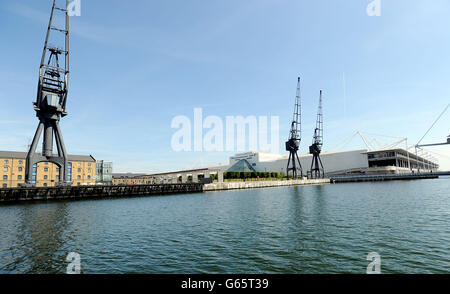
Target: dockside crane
x=317 y=170
x=295 y=137
x=50 y=105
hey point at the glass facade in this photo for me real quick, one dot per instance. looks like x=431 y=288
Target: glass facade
x=104 y=172
x=33 y=175
x=69 y=172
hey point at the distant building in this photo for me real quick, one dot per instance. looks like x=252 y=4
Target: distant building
x=104 y=174
x=128 y=179
x=185 y=176
x=81 y=170
x=356 y=162
x=336 y=162
x=402 y=160
x=393 y=161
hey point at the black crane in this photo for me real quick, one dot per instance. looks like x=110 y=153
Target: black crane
x=295 y=137
x=51 y=99
x=317 y=171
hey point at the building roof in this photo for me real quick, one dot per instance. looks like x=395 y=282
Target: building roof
x=126 y=175
x=23 y=155
x=386 y=150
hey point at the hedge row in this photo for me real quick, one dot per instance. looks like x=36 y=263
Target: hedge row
x=253 y=175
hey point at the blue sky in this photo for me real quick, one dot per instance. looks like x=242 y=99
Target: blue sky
x=135 y=67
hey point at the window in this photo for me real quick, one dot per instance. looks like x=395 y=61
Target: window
x=89 y=164
x=5 y=178
x=45 y=177
x=5 y=169
x=20 y=168
x=89 y=170
x=19 y=177
x=79 y=170
x=5 y=186
x=79 y=163
x=46 y=163
x=57 y=177
x=46 y=169
x=57 y=169
x=45 y=184
x=79 y=177
x=20 y=161
x=33 y=176
x=69 y=172
x=89 y=177
x=6 y=161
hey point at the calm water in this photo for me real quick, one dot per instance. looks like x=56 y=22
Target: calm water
x=313 y=229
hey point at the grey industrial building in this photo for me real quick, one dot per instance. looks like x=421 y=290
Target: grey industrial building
x=356 y=162
x=392 y=161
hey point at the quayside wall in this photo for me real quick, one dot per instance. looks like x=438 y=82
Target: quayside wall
x=379 y=178
x=86 y=192
x=92 y=192
x=118 y=191
x=261 y=184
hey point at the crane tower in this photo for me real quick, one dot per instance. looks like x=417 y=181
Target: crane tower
x=315 y=149
x=51 y=99
x=295 y=137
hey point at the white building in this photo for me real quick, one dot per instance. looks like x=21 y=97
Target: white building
x=335 y=163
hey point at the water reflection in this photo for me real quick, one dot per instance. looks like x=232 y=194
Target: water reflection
x=303 y=229
x=41 y=236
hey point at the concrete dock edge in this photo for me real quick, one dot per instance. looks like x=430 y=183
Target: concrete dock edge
x=261 y=184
